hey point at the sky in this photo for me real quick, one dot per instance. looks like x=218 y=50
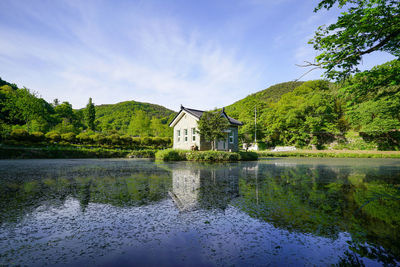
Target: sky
x=201 y=54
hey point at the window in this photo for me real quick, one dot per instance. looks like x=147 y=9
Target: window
x=193 y=134
x=178 y=134
x=231 y=137
x=186 y=134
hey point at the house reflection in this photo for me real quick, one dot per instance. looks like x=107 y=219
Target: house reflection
x=204 y=186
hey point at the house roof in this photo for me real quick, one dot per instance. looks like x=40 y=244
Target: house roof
x=198 y=113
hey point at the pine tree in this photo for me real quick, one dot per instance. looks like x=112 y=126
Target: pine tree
x=90 y=114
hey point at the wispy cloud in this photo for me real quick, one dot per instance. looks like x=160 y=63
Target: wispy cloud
x=166 y=65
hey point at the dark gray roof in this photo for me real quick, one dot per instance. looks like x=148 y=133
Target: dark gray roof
x=197 y=113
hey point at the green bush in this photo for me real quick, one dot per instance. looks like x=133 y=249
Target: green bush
x=136 y=141
x=68 y=137
x=171 y=154
x=113 y=139
x=83 y=138
x=147 y=141
x=246 y=156
x=146 y=153
x=212 y=156
x=19 y=135
x=37 y=137
x=126 y=140
x=53 y=136
x=98 y=139
x=166 y=141
x=157 y=142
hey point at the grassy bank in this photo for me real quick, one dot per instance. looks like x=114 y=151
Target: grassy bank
x=332 y=154
x=213 y=156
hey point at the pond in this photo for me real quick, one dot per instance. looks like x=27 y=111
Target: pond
x=139 y=212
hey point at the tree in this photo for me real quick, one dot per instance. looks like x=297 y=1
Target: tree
x=212 y=126
x=306 y=116
x=90 y=114
x=367 y=26
x=139 y=124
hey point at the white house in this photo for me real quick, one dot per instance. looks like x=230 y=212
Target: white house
x=186 y=136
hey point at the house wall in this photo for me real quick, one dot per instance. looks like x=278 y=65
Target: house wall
x=235 y=145
x=186 y=122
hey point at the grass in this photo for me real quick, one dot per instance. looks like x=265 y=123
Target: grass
x=332 y=154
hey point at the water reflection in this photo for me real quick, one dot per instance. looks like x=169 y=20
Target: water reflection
x=328 y=199
x=204 y=185
x=282 y=212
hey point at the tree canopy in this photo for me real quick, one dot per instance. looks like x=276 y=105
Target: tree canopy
x=365 y=27
x=212 y=126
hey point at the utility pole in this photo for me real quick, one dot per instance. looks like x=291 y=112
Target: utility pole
x=255 y=125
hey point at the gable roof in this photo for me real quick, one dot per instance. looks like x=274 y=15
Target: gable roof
x=198 y=113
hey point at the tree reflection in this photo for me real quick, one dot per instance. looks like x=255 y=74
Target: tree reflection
x=327 y=200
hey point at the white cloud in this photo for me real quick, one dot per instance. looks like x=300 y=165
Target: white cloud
x=166 y=66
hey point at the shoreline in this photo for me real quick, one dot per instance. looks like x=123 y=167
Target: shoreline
x=55 y=152
x=331 y=154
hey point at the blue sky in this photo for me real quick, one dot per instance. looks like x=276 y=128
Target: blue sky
x=202 y=54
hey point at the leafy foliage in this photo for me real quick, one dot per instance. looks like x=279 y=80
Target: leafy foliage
x=90 y=114
x=243 y=110
x=212 y=126
x=367 y=26
x=135 y=118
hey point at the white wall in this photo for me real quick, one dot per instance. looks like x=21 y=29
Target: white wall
x=186 y=122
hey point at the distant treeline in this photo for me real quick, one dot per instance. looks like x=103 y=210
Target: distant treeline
x=26 y=115
x=88 y=138
x=363 y=112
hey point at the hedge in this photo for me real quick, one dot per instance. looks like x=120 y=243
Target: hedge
x=23 y=137
x=178 y=155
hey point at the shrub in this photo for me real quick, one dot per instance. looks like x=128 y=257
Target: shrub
x=147 y=141
x=37 y=136
x=212 y=156
x=157 y=142
x=126 y=140
x=83 y=138
x=171 y=154
x=68 y=137
x=98 y=139
x=19 y=135
x=53 y=136
x=113 y=139
x=136 y=141
x=166 y=141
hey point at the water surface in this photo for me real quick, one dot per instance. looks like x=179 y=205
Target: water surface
x=271 y=212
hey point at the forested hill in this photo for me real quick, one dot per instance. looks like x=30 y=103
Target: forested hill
x=243 y=109
x=23 y=109
x=361 y=112
x=136 y=118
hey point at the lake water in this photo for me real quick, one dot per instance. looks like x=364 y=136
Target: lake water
x=138 y=212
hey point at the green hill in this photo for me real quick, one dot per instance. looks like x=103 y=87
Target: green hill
x=135 y=118
x=243 y=109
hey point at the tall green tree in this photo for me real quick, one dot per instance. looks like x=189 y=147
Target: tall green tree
x=306 y=116
x=139 y=124
x=212 y=126
x=365 y=27
x=90 y=114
